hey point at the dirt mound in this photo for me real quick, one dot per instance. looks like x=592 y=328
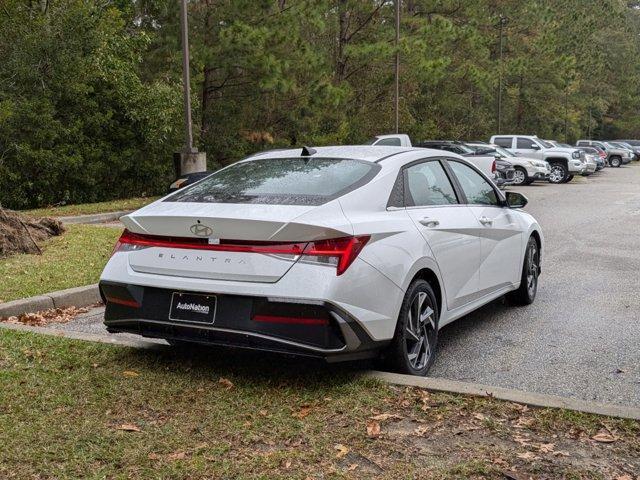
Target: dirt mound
x=20 y=234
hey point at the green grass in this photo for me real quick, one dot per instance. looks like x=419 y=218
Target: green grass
x=62 y=401
x=89 y=208
x=73 y=259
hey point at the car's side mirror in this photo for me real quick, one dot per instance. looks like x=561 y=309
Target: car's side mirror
x=516 y=200
x=535 y=147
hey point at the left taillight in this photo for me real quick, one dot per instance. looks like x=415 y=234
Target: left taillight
x=128 y=241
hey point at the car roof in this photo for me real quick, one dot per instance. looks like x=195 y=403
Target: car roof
x=368 y=153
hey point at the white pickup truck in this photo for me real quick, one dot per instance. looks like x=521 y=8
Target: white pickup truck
x=485 y=162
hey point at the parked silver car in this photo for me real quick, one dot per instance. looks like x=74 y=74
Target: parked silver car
x=615 y=156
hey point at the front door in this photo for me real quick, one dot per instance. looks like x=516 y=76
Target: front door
x=497 y=227
x=525 y=147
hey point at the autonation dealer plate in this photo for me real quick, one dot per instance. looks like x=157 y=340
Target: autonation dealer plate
x=192 y=307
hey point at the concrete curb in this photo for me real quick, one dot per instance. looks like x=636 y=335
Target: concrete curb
x=87 y=337
x=72 y=297
x=94 y=218
x=517 y=396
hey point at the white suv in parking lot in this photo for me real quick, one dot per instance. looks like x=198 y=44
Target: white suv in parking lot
x=339 y=252
x=564 y=162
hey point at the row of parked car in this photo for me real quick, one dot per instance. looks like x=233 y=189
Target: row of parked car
x=524 y=159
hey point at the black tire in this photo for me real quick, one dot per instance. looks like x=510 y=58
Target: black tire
x=558 y=173
x=409 y=352
x=526 y=293
x=568 y=179
x=520 y=177
x=615 y=162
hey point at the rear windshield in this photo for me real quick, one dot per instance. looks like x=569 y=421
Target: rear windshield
x=280 y=181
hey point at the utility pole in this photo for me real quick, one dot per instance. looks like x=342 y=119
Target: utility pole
x=397 y=69
x=186 y=78
x=189 y=160
x=503 y=22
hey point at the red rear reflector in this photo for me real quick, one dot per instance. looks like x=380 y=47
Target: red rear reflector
x=123 y=301
x=345 y=249
x=493 y=167
x=290 y=320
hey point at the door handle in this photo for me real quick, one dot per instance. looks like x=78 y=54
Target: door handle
x=429 y=222
x=485 y=221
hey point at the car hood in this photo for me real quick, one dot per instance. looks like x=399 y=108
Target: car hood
x=562 y=150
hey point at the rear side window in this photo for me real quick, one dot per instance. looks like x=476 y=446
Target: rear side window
x=280 y=181
x=428 y=184
x=504 y=142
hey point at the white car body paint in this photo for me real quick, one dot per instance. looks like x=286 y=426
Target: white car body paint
x=474 y=262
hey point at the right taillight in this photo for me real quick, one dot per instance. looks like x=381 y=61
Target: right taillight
x=339 y=251
x=493 y=167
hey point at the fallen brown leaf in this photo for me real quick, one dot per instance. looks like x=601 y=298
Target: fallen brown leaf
x=179 y=455
x=373 y=428
x=130 y=373
x=303 y=412
x=342 y=450
x=352 y=467
x=226 y=383
x=604 y=437
x=421 y=430
x=546 y=447
x=128 y=427
x=386 y=416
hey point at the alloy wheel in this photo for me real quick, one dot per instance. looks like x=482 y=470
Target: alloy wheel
x=420 y=331
x=557 y=173
x=519 y=177
x=532 y=268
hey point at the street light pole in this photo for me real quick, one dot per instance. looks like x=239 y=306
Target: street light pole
x=186 y=79
x=189 y=160
x=503 y=21
x=397 y=68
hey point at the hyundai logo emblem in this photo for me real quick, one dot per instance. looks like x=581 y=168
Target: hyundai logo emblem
x=201 y=230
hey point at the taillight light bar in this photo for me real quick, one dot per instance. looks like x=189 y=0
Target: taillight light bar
x=342 y=250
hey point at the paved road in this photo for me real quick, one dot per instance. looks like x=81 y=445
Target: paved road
x=581 y=338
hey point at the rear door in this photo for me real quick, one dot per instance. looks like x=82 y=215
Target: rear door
x=446 y=225
x=504 y=142
x=497 y=228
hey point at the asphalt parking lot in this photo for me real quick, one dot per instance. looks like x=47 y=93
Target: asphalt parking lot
x=581 y=338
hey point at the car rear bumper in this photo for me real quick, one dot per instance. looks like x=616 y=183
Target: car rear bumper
x=293 y=326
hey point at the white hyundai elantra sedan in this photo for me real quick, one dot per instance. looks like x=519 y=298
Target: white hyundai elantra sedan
x=337 y=252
